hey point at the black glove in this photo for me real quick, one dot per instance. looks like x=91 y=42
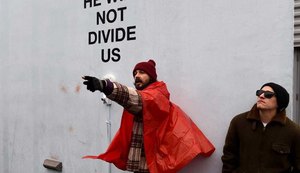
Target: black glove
x=93 y=83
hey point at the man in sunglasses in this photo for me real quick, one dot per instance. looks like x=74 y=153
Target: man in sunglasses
x=264 y=139
x=155 y=134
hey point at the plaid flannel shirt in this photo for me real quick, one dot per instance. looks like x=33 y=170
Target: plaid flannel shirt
x=131 y=100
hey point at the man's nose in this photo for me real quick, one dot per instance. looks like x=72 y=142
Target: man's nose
x=136 y=75
x=262 y=95
x=137 y=78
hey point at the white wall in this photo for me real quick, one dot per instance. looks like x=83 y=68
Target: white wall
x=212 y=54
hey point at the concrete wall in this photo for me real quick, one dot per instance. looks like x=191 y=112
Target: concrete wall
x=212 y=54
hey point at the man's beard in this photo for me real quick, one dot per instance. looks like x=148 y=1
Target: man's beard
x=140 y=85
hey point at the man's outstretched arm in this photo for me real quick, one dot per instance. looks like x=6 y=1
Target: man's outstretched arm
x=127 y=97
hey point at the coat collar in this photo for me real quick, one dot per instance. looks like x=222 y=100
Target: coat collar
x=160 y=86
x=280 y=117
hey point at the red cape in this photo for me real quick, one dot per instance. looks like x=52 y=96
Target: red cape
x=171 y=138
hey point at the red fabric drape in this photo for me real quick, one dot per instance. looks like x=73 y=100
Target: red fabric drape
x=171 y=138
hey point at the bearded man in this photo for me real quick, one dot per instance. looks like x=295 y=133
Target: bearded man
x=155 y=135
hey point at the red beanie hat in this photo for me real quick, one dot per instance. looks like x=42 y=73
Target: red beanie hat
x=148 y=67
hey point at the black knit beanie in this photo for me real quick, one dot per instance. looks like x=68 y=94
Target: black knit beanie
x=281 y=94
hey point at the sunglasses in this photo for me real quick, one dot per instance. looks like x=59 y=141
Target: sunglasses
x=267 y=94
